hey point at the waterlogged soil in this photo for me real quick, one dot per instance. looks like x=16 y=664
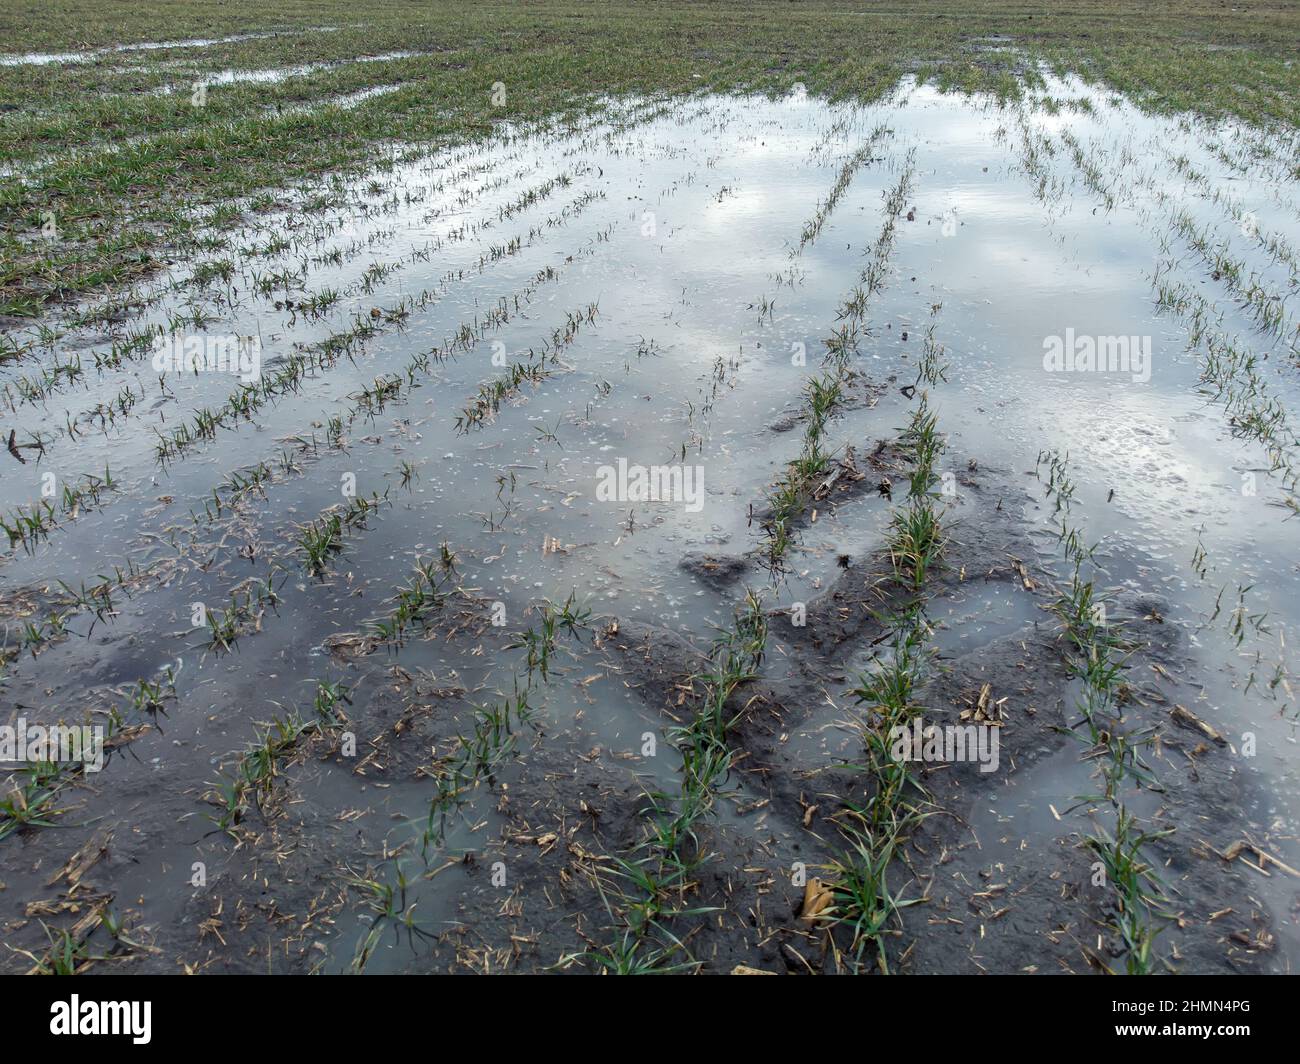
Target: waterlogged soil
x=666 y=276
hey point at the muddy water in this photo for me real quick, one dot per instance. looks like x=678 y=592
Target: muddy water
x=46 y=58
x=274 y=75
x=673 y=231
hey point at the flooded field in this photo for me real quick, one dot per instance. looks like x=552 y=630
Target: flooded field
x=528 y=555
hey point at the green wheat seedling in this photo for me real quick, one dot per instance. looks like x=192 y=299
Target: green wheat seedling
x=876 y=826
x=1139 y=892
x=251 y=781
x=149 y=698
x=789 y=496
x=862 y=899
x=933 y=370
x=409 y=475
x=391 y=908
x=916 y=538
x=483 y=406
x=492 y=737
x=97 y=599
x=414 y=603
x=475 y=756
x=493 y=733
x=372 y=399
x=540 y=642
x=665 y=858
x=321 y=540
x=248 y=603
x=29 y=802
x=1097 y=657
x=630 y=955
x=327 y=700
x=644 y=910
x=29 y=525
x=813 y=227
x=66 y=955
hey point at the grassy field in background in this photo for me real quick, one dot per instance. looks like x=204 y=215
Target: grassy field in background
x=117 y=165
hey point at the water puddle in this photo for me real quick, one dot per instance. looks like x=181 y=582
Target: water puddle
x=48 y=58
x=492 y=341
x=276 y=75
